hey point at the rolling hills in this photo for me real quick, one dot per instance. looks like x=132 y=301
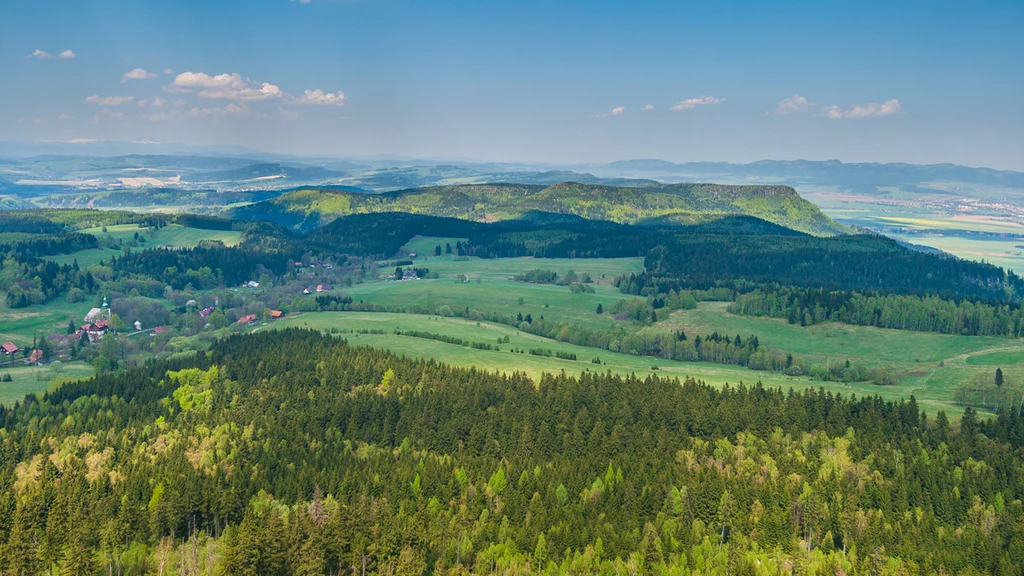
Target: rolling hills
x=310 y=208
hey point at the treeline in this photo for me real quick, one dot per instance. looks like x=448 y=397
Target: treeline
x=446 y=339
x=294 y=453
x=860 y=263
x=55 y=220
x=40 y=281
x=648 y=341
x=920 y=313
x=202 y=266
x=23 y=246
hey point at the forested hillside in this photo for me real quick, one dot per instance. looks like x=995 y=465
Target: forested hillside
x=310 y=208
x=294 y=453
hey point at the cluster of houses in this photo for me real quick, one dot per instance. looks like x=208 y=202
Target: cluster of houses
x=9 y=349
x=319 y=288
x=406 y=275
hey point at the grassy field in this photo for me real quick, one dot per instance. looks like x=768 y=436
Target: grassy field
x=495 y=295
x=931 y=365
x=504 y=360
x=36 y=379
x=174 y=236
x=934 y=390
x=872 y=346
x=19 y=325
x=489 y=287
x=601 y=270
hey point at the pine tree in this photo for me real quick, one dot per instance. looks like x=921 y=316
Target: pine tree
x=999 y=377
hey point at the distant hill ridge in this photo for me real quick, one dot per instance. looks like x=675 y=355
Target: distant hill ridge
x=310 y=208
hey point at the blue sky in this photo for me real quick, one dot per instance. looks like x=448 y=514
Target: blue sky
x=541 y=81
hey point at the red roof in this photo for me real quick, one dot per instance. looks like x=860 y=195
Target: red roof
x=35 y=356
x=159 y=330
x=247 y=318
x=9 y=347
x=276 y=313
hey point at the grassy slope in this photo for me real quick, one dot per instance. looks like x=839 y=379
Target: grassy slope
x=506 y=361
x=309 y=208
x=931 y=364
x=36 y=379
x=173 y=235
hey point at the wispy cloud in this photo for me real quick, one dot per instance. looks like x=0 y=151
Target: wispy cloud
x=797 y=104
x=65 y=116
x=617 y=111
x=320 y=98
x=691 y=103
x=155 y=102
x=67 y=54
x=872 y=110
x=136 y=74
x=224 y=86
x=168 y=71
x=109 y=100
x=40 y=54
x=648 y=107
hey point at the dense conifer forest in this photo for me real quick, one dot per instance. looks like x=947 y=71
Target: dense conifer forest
x=296 y=453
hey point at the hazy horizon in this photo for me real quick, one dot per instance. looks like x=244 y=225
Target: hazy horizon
x=559 y=83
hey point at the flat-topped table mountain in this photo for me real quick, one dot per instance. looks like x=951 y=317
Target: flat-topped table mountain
x=309 y=208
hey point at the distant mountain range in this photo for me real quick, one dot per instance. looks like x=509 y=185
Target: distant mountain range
x=38 y=169
x=859 y=177
x=311 y=208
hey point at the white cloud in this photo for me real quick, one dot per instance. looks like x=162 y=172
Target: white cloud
x=872 y=110
x=224 y=86
x=795 y=104
x=69 y=53
x=321 y=98
x=109 y=100
x=691 y=103
x=648 y=107
x=81 y=141
x=41 y=54
x=65 y=116
x=136 y=74
x=617 y=111
x=168 y=71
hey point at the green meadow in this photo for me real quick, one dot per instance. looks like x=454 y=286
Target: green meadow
x=933 y=387
x=37 y=379
x=21 y=324
x=173 y=235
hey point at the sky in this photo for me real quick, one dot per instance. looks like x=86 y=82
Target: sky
x=527 y=81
